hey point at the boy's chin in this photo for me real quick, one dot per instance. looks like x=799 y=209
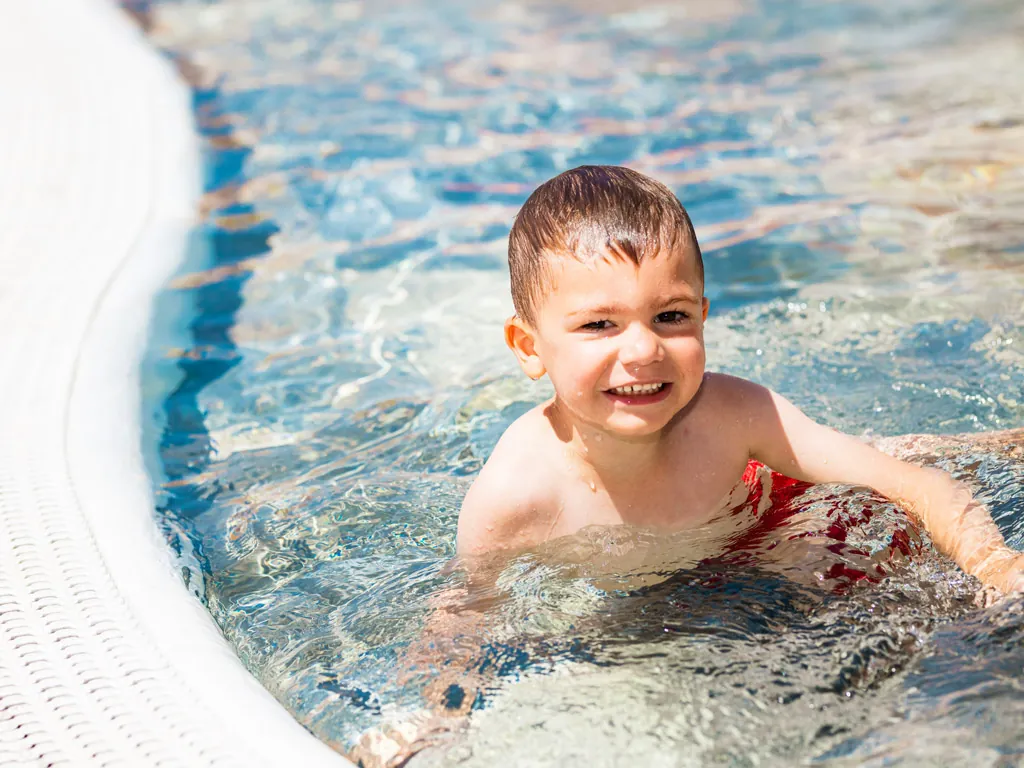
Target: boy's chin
x=628 y=426
x=619 y=425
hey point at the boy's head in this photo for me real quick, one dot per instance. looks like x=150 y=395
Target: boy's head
x=608 y=285
x=586 y=212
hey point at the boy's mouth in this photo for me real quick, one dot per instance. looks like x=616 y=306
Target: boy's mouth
x=639 y=394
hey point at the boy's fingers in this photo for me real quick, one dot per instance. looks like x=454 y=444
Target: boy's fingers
x=1015 y=574
x=375 y=750
x=393 y=745
x=1007 y=579
x=987 y=596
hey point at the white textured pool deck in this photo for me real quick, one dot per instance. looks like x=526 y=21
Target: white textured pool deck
x=104 y=657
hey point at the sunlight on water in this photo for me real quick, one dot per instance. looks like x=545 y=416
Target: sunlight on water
x=328 y=373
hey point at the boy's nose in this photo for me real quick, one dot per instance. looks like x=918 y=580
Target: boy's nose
x=641 y=346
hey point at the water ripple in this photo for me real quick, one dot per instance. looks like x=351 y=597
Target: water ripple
x=329 y=374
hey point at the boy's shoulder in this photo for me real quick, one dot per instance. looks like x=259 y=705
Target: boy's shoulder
x=727 y=385
x=516 y=490
x=726 y=418
x=723 y=394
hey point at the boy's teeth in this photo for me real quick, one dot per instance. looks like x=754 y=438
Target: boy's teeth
x=638 y=389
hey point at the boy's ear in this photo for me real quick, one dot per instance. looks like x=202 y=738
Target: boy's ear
x=520 y=338
x=704 y=306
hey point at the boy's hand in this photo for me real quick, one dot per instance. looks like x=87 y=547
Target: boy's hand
x=1003 y=570
x=962 y=528
x=394 y=745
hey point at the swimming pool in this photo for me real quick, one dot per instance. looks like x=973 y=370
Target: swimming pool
x=327 y=374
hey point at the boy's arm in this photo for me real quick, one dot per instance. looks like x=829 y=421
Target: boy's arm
x=786 y=440
x=512 y=504
x=498 y=515
x=444 y=660
x=494 y=522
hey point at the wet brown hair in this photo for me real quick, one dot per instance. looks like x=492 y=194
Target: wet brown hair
x=593 y=209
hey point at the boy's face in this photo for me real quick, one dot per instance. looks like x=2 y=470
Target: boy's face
x=623 y=344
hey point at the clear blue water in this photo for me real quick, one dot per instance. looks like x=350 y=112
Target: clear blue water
x=326 y=374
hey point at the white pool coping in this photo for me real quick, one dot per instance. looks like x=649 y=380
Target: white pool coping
x=105 y=659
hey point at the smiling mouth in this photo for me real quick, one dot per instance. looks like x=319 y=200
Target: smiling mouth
x=638 y=389
x=639 y=394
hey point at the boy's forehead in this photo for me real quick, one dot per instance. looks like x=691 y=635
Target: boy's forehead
x=609 y=272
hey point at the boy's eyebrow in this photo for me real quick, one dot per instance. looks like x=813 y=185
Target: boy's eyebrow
x=613 y=309
x=599 y=309
x=681 y=296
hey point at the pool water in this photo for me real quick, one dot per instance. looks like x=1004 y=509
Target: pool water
x=327 y=374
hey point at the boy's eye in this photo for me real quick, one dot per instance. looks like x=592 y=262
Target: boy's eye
x=596 y=325
x=674 y=316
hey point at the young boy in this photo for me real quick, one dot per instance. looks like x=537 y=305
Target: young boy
x=608 y=287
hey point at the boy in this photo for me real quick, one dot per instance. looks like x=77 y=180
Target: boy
x=608 y=287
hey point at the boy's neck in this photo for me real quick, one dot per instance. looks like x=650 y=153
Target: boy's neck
x=614 y=459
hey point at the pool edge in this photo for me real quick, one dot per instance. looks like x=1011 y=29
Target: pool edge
x=107 y=657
